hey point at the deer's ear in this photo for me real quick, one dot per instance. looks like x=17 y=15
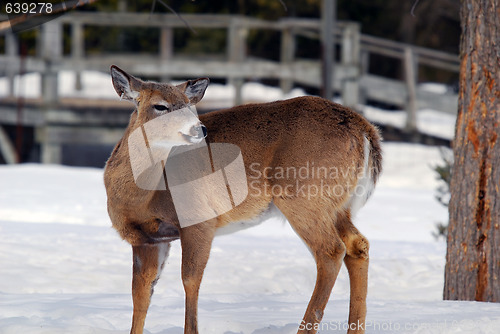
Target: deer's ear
x=194 y=89
x=126 y=86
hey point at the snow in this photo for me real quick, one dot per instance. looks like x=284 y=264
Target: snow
x=429 y=121
x=65 y=270
x=434 y=87
x=95 y=84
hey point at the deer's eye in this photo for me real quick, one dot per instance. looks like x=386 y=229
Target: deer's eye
x=160 y=107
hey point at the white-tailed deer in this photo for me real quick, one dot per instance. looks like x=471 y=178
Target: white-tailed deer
x=316 y=161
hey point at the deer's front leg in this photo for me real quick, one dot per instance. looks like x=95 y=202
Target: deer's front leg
x=147 y=267
x=196 y=241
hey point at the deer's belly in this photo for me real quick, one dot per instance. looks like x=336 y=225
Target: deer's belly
x=272 y=212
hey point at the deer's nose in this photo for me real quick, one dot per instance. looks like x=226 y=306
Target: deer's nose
x=199 y=131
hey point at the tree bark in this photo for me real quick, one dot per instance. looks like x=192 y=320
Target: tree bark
x=473 y=255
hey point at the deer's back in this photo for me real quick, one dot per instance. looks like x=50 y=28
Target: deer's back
x=292 y=132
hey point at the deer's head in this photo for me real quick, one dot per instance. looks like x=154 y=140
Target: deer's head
x=171 y=105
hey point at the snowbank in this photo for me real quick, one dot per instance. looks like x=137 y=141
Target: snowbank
x=65 y=270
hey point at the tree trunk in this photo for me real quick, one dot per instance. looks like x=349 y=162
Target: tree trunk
x=473 y=256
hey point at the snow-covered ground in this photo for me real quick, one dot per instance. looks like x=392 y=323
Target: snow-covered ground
x=65 y=270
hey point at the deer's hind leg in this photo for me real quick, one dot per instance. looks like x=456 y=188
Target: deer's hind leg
x=320 y=235
x=147 y=266
x=356 y=261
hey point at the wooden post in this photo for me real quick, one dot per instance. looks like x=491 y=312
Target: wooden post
x=365 y=62
x=12 y=52
x=166 y=48
x=7 y=147
x=287 y=56
x=328 y=24
x=122 y=6
x=350 y=44
x=364 y=70
x=411 y=87
x=51 y=52
x=237 y=48
x=51 y=151
x=350 y=58
x=77 y=47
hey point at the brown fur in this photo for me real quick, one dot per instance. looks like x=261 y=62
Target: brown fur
x=290 y=133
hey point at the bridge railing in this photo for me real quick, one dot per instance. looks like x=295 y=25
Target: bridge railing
x=351 y=76
x=350 y=71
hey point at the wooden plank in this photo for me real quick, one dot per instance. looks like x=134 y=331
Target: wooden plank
x=81 y=135
x=395 y=49
x=129 y=19
x=180 y=67
x=80 y=111
x=31 y=116
x=421 y=51
x=70 y=117
x=381 y=50
x=424 y=59
x=31 y=64
x=442 y=64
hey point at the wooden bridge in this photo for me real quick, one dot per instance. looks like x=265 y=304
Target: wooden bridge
x=59 y=121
